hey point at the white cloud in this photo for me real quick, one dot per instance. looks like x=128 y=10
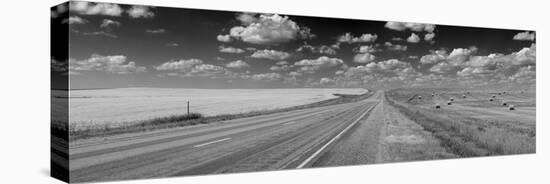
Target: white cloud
x=77 y=20
x=270 y=54
x=172 y=44
x=395 y=47
x=323 y=49
x=116 y=64
x=232 y=50
x=155 y=31
x=413 y=38
x=349 y=38
x=435 y=57
x=386 y=73
x=87 y=8
x=140 y=12
x=326 y=81
x=207 y=70
x=363 y=58
x=107 y=23
x=267 y=76
x=367 y=49
x=448 y=63
x=224 y=38
x=196 y=68
x=443 y=67
x=417 y=27
x=387 y=65
x=237 y=64
x=247 y=18
x=530 y=36
x=268 y=29
x=100 y=33
x=58 y=66
x=429 y=36
x=323 y=62
x=280 y=66
x=181 y=65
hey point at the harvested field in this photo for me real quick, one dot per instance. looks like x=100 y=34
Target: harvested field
x=473 y=126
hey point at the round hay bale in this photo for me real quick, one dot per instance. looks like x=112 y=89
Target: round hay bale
x=437 y=106
x=449 y=103
x=463 y=96
x=452 y=99
x=504 y=104
x=490 y=99
x=511 y=107
x=420 y=97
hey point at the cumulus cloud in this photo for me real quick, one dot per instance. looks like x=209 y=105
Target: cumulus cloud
x=323 y=49
x=414 y=38
x=58 y=66
x=326 y=81
x=267 y=76
x=140 y=12
x=197 y=68
x=116 y=64
x=528 y=36
x=77 y=20
x=100 y=33
x=232 y=50
x=207 y=70
x=366 y=49
x=268 y=29
x=323 y=62
x=173 y=44
x=224 y=38
x=429 y=37
x=281 y=66
x=237 y=64
x=434 y=57
x=395 y=47
x=349 y=38
x=446 y=63
x=416 y=27
x=363 y=58
x=181 y=65
x=270 y=54
x=109 y=24
x=380 y=74
x=155 y=31
x=496 y=69
x=88 y=8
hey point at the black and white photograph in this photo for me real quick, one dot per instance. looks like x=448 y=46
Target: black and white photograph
x=144 y=91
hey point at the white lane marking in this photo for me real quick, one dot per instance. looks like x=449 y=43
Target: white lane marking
x=212 y=142
x=288 y=123
x=333 y=139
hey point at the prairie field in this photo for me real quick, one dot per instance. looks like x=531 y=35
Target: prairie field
x=473 y=124
x=112 y=106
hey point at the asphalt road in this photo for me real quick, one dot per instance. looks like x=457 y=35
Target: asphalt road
x=296 y=139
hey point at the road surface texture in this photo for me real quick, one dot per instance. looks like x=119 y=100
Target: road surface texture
x=344 y=134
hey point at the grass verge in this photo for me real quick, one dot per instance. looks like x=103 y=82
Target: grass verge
x=83 y=132
x=470 y=137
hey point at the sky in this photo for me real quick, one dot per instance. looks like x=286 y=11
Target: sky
x=116 y=45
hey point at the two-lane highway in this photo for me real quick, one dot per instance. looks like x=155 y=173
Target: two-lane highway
x=294 y=139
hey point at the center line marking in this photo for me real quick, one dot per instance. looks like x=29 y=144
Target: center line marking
x=212 y=142
x=288 y=123
x=310 y=158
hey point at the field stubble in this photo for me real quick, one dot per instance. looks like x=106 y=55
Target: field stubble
x=466 y=135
